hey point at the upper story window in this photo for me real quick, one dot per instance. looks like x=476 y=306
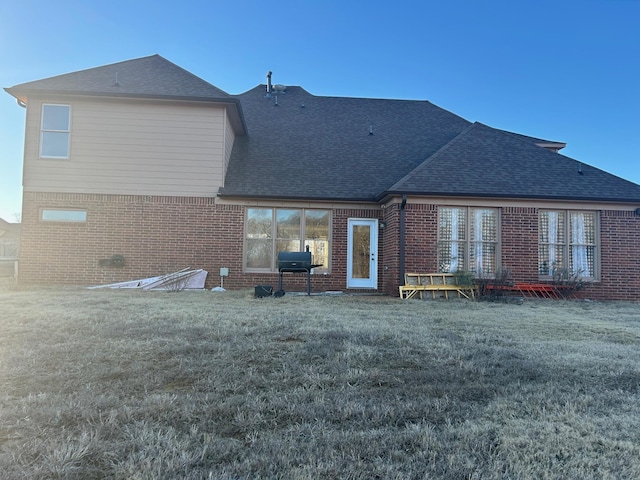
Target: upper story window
x=273 y=230
x=468 y=240
x=568 y=244
x=54 y=131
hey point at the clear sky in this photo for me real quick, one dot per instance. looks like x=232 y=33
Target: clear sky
x=563 y=70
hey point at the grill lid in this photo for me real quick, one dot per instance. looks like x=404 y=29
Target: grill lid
x=295 y=261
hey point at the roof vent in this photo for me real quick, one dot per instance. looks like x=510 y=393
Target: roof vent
x=279 y=88
x=268 y=95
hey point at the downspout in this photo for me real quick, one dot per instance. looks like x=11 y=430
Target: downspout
x=401 y=240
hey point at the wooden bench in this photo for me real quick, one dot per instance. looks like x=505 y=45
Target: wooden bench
x=417 y=283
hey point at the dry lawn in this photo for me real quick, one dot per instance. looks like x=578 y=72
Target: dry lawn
x=202 y=385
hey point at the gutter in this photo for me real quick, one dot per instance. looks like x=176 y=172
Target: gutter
x=401 y=239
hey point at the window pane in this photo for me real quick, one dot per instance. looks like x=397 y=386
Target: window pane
x=288 y=246
x=55 y=117
x=316 y=224
x=288 y=225
x=64 y=215
x=552 y=243
x=259 y=252
x=259 y=223
x=451 y=257
x=452 y=224
x=317 y=236
x=451 y=233
x=482 y=258
x=361 y=251
x=55 y=144
x=484 y=226
x=582 y=249
x=259 y=244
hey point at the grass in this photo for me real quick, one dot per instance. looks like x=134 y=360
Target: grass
x=141 y=385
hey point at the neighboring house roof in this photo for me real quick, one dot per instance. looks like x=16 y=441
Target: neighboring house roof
x=148 y=77
x=483 y=161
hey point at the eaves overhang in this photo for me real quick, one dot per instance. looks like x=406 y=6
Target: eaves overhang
x=394 y=193
x=297 y=198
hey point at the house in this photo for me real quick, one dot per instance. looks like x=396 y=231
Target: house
x=9 y=248
x=143 y=162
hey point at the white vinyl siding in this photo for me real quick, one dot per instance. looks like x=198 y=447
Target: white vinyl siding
x=135 y=147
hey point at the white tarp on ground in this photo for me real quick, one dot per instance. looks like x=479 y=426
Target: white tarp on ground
x=181 y=280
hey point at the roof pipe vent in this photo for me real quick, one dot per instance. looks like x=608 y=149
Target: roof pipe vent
x=269 y=83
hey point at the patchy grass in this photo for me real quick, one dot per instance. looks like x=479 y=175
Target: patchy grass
x=129 y=384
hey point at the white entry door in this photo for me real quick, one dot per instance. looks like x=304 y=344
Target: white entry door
x=362 y=253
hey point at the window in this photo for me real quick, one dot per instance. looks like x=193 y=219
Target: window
x=468 y=240
x=269 y=231
x=568 y=244
x=54 y=133
x=48 y=215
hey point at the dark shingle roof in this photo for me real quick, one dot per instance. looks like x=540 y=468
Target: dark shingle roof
x=483 y=161
x=152 y=76
x=304 y=146
x=320 y=147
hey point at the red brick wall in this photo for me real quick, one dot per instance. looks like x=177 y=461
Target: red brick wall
x=519 y=242
x=620 y=248
x=155 y=235
x=620 y=253
x=390 y=248
x=421 y=238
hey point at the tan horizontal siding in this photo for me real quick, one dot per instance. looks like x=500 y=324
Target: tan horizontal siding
x=132 y=147
x=228 y=140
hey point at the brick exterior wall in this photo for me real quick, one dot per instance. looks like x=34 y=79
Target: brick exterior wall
x=619 y=253
x=158 y=235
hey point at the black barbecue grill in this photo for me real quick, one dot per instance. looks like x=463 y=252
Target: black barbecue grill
x=295 y=262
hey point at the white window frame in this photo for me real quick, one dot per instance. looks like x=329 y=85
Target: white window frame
x=44 y=131
x=64 y=215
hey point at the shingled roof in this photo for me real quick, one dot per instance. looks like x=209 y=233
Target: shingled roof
x=305 y=146
x=486 y=162
x=152 y=76
x=331 y=148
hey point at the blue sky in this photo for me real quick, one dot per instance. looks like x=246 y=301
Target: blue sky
x=564 y=70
